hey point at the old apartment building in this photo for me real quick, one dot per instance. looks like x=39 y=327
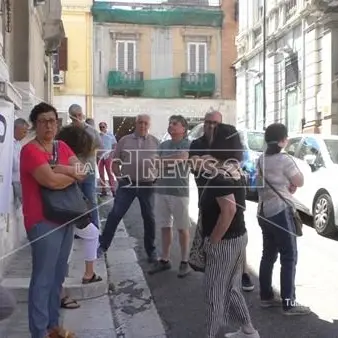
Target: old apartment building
x=30 y=31
x=162 y=60
x=301 y=64
x=72 y=67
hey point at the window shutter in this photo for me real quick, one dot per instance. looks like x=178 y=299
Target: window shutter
x=120 y=53
x=192 y=58
x=130 y=56
x=201 y=58
x=63 y=55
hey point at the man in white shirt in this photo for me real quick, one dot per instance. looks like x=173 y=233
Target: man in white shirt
x=20 y=131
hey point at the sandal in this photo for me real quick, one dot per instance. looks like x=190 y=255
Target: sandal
x=69 y=303
x=60 y=332
x=94 y=279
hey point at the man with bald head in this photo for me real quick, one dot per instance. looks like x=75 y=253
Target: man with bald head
x=199 y=148
x=134 y=171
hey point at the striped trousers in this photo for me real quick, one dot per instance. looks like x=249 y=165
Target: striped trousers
x=223 y=273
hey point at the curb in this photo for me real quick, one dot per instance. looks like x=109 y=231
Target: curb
x=134 y=312
x=19 y=286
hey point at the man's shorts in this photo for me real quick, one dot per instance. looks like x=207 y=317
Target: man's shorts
x=172 y=211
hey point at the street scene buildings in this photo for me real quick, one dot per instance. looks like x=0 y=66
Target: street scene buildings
x=30 y=33
x=299 y=56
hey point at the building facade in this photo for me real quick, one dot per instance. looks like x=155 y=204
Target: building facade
x=72 y=67
x=300 y=62
x=30 y=31
x=160 y=60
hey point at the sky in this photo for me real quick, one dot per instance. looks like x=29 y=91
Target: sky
x=211 y=2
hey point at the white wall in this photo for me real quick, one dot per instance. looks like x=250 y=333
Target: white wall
x=160 y=110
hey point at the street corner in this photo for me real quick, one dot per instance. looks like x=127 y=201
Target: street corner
x=133 y=308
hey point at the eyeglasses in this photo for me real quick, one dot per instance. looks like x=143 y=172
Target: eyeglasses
x=45 y=122
x=174 y=123
x=102 y=127
x=211 y=123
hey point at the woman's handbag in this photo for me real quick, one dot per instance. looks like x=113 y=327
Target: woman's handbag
x=66 y=206
x=295 y=215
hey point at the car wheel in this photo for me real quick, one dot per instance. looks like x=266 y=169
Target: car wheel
x=323 y=215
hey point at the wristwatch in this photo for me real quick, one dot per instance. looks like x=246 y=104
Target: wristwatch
x=3 y=128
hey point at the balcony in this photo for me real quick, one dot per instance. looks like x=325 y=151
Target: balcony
x=198 y=84
x=125 y=83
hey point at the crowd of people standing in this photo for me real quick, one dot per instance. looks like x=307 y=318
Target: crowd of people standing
x=139 y=166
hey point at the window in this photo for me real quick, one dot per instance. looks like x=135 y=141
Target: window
x=292 y=112
x=291 y=71
x=311 y=147
x=257 y=36
x=290 y=9
x=259 y=106
x=126 y=56
x=292 y=146
x=197 y=57
x=60 y=58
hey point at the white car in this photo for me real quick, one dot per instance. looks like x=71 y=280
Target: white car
x=317 y=157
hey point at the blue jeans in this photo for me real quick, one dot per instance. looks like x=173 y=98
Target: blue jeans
x=125 y=196
x=88 y=187
x=51 y=245
x=278 y=237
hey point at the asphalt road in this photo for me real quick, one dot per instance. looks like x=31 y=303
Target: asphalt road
x=180 y=302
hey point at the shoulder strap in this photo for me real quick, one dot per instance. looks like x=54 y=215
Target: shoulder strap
x=270 y=185
x=55 y=157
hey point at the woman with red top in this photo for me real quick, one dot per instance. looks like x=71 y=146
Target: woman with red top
x=50 y=243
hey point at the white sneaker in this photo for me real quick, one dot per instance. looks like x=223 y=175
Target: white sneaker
x=241 y=334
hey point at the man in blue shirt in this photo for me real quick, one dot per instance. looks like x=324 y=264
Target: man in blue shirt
x=105 y=159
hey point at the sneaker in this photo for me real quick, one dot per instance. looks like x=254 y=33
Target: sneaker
x=247 y=284
x=183 y=270
x=241 y=334
x=297 y=310
x=160 y=266
x=274 y=302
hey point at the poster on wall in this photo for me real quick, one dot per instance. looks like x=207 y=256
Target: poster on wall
x=6 y=154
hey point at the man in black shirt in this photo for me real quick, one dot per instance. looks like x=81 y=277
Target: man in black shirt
x=200 y=148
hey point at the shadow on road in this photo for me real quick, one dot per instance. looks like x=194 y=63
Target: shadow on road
x=180 y=302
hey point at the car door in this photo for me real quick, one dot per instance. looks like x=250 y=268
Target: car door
x=313 y=174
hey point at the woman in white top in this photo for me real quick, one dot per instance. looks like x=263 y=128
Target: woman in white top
x=276 y=220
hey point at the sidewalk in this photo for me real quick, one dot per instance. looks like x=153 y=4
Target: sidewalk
x=127 y=310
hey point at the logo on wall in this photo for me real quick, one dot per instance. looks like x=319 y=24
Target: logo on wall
x=3 y=128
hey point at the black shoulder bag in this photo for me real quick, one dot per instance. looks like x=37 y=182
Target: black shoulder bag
x=295 y=215
x=66 y=206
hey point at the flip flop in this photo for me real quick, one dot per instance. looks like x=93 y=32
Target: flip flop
x=94 y=279
x=69 y=303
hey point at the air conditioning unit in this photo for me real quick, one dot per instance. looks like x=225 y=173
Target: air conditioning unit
x=59 y=78
x=39 y=2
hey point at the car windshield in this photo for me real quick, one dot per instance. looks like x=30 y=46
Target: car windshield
x=255 y=141
x=332 y=147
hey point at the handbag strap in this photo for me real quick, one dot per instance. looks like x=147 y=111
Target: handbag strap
x=55 y=156
x=271 y=186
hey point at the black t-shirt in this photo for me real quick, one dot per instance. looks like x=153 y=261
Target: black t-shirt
x=199 y=147
x=210 y=210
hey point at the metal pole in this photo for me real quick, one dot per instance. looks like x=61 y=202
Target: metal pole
x=264 y=66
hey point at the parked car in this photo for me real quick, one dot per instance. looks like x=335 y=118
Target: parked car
x=317 y=157
x=254 y=145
